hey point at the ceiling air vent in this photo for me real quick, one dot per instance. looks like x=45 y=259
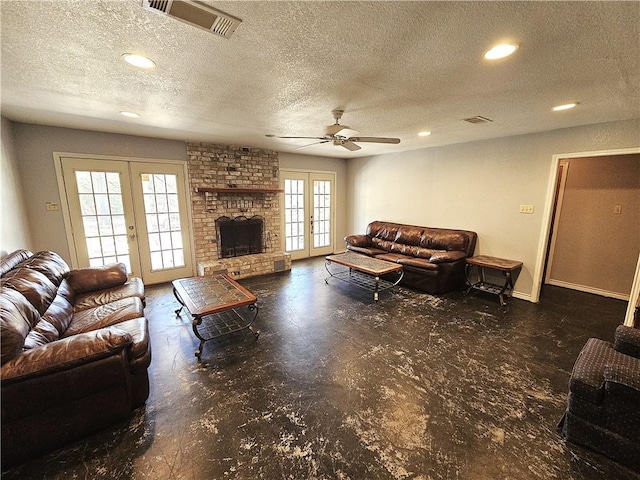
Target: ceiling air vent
x=478 y=119
x=196 y=14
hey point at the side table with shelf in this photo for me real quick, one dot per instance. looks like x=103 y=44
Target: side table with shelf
x=508 y=268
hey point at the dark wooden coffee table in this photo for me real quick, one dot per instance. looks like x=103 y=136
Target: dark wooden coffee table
x=364 y=272
x=212 y=302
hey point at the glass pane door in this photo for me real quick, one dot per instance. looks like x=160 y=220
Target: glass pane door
x=103 y=220
x=321 y=213
x=307 y=213
x=160 y=202
x=101 y=215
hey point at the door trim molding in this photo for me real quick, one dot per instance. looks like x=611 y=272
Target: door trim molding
x=66 y=214
x=548 y=209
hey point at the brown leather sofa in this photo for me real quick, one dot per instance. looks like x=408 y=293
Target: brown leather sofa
x=433 y=259
x=74 y=348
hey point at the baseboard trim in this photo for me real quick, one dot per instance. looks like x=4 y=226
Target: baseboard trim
x=584 y=288
x=522 y=296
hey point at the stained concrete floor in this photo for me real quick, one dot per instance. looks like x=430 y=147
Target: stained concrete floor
x=339 y=387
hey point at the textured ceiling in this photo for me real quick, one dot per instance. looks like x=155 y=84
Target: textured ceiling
x=396 y=68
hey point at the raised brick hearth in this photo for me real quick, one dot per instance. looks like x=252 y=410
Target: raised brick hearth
x=229 y=167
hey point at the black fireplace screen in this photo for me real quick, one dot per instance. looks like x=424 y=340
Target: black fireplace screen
x=240 y=236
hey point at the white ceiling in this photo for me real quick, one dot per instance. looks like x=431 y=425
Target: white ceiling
x=396 y=68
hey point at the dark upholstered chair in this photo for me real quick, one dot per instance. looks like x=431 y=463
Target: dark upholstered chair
x=603 y=405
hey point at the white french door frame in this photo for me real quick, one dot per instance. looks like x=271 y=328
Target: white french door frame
x=309 y=249
x=66 y=212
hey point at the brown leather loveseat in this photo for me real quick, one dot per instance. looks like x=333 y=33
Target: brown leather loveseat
x=433 y=259
x=75 y=351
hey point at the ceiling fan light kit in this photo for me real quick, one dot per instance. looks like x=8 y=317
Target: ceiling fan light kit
x=341 y=135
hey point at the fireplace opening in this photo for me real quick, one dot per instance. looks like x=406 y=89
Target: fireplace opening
x=240 y=236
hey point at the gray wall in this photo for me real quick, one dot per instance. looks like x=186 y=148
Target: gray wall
x=477 y=186
x=14 y=227
x=596 y=248
x=35 y=146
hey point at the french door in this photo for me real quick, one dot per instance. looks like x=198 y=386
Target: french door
x=308 y=213
x=131 y=212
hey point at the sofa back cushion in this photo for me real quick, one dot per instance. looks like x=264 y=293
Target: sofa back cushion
x=422 y=241
x=35 y=287
x=50 y=264
x=17 y=317
x=97 y=278
x=12 y=260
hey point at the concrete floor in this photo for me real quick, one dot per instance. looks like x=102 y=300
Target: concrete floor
x=339 y=387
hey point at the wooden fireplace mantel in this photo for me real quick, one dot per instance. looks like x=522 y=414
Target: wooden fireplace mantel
x=237 y=190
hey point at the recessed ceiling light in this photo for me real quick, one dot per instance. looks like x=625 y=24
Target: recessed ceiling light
x=566 y=106
x=130 y=114
x=500 y=51
x=424 y=134
x=138 y=60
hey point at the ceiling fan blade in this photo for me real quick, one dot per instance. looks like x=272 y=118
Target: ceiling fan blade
x=346 y=133
x=314 y=143
x=352 y=147
x=310 y=138
x=375 y=139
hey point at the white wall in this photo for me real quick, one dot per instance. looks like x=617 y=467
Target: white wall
x=477 y=186
x=35 y=145
x=324 y=164
x=14 y=227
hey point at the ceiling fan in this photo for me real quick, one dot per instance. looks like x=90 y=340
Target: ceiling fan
x=342 y=135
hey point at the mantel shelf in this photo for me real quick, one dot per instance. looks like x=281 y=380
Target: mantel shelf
x=237 y=190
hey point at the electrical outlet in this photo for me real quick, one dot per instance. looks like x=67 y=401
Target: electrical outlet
x=617 y=209
x=526 y=208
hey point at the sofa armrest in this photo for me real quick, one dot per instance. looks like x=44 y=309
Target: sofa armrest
x=65 y=354
x=623 y=380
x=358 y=240
x=90 y=279
x=627 y=341
x=445 y=257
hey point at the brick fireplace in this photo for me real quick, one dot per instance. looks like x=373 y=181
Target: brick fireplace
x=228 y=183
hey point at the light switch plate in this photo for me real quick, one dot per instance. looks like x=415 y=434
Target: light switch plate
x=526 y=208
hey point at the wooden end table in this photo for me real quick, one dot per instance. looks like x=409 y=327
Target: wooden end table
x=212 y=302
x=508 y=268
x=364 y=272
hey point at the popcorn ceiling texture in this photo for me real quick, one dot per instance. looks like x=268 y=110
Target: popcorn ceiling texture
x=223 y=166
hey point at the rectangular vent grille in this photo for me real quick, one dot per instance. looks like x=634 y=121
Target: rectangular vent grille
x=196 y=14
x=478 y=119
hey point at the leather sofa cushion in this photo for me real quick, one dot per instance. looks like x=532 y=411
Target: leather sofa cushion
x=358 y=240
x=390 y=257
x=17 y=318
x=371 y=251
x=35 y=287
x=66 y=353
x=384 y=234
x=50 y=264
x=13 y=259
x=97 y=278
x=104 y=316
x=418 y=262
x=60 y=312
x=442 y=257
x=132 y=288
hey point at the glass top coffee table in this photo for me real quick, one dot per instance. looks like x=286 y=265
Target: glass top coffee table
x=364 y=272
x=212 y=302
